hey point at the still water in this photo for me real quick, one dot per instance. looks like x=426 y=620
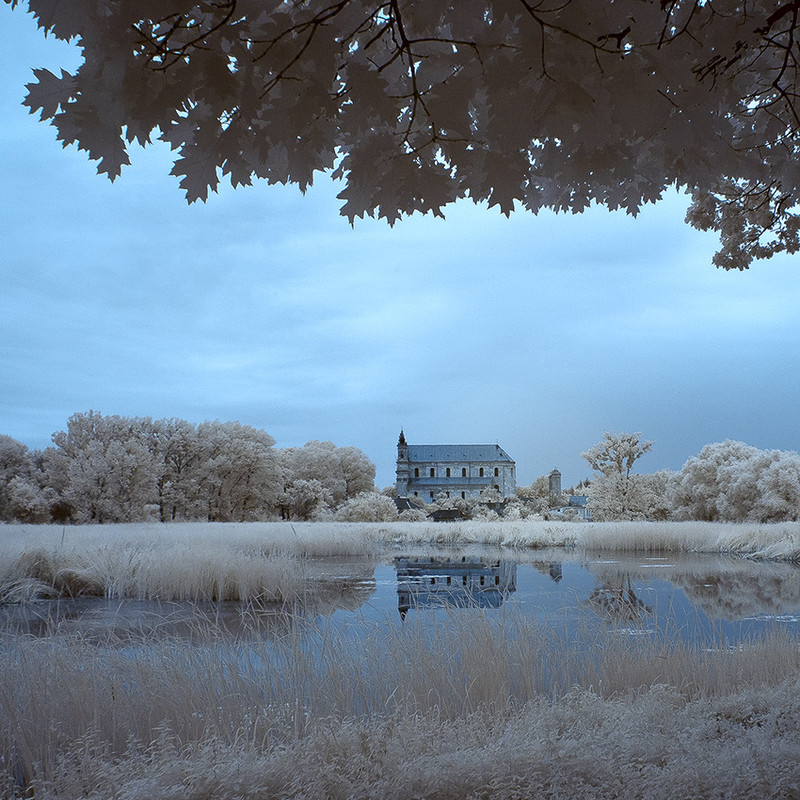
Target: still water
x=698 y=598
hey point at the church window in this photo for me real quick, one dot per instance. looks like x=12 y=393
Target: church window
x=481 y=472
x=431 y=495
x=416 y=472
x=463 y=472
x=496 y=472
x=433 y=472
x=497 y=487
x=448 y=472
x=463 y=495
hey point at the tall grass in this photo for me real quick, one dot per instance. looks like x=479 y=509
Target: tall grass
x=474 y=707
x=244 y=562
x=270 y=561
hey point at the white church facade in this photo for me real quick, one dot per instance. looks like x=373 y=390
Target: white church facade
x=462 y=471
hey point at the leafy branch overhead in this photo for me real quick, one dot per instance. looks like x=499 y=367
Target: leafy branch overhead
x=520 y=103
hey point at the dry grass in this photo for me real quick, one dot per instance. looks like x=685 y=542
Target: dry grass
x=473 y=708
x=249 y=561
x=245 y=562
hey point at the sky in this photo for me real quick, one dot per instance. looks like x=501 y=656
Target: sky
x=538 y=333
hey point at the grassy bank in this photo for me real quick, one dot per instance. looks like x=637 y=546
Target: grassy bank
x=273 y=561
x=478 y=707
x=471 y=709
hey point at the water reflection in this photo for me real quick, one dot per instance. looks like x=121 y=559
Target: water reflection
x=98 y=620
x=617 y=601
x=464 y=582
x=723 y=588
x=559 y=588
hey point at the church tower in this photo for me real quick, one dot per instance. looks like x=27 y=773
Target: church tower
x=555 y=484
x=402 y=466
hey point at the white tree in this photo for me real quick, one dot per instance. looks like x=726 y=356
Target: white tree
x=304 y=499
x=343 y=471
x=108 y=472
x=181 y=480
x=239 y=469
x=367 y=507
x=616 y=493
x=16 y=461
x=542 y=105
x=29 y=501
x=732 y=481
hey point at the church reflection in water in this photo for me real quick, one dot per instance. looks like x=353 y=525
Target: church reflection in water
x=461 y=581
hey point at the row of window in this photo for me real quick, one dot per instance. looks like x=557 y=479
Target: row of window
x=464 y=580
x=463 y=494
x=463 y=472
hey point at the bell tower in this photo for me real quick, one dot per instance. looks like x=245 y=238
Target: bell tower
x=402 y=466
x=555 y=484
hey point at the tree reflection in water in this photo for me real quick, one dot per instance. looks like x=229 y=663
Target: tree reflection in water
x=615 y=601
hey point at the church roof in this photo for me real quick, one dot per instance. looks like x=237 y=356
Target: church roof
x=458 y=452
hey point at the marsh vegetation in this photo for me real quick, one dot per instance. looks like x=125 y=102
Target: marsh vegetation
x=314 y=692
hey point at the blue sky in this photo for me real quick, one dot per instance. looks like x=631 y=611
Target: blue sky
x=265 y=306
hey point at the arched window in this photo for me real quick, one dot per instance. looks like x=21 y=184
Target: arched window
x=448 y=472
x=463 y=472
x=496 y=472
x=481 y=472
x=416 y=472
x=433 y=472
x=463 y=495
x=497 y=487
x=431 y=495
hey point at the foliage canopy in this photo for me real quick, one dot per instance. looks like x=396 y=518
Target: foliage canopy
x=532 y=103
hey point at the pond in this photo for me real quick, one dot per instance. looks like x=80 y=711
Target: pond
x=701 y=599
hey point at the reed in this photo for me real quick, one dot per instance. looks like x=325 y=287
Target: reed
x=245 y=561
x=474 y=706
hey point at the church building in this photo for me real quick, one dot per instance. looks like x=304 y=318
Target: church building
x=457 y=470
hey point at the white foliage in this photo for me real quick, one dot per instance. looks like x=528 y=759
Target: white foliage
x=616 y=493
x=368 y=507
x=734 y=482
x=343 y=472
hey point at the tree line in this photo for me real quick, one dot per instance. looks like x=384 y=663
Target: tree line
x=105 y=469
x=726 y=481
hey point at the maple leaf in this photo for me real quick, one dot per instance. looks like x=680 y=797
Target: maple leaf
x=517 y=104
x=49 y=92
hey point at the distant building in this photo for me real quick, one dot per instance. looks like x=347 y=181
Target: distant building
x=458 y=470
x=577 y=507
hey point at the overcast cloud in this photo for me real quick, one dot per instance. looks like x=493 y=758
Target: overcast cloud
x=265 y=306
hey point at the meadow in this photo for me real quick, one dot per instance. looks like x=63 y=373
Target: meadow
x=474 y=707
